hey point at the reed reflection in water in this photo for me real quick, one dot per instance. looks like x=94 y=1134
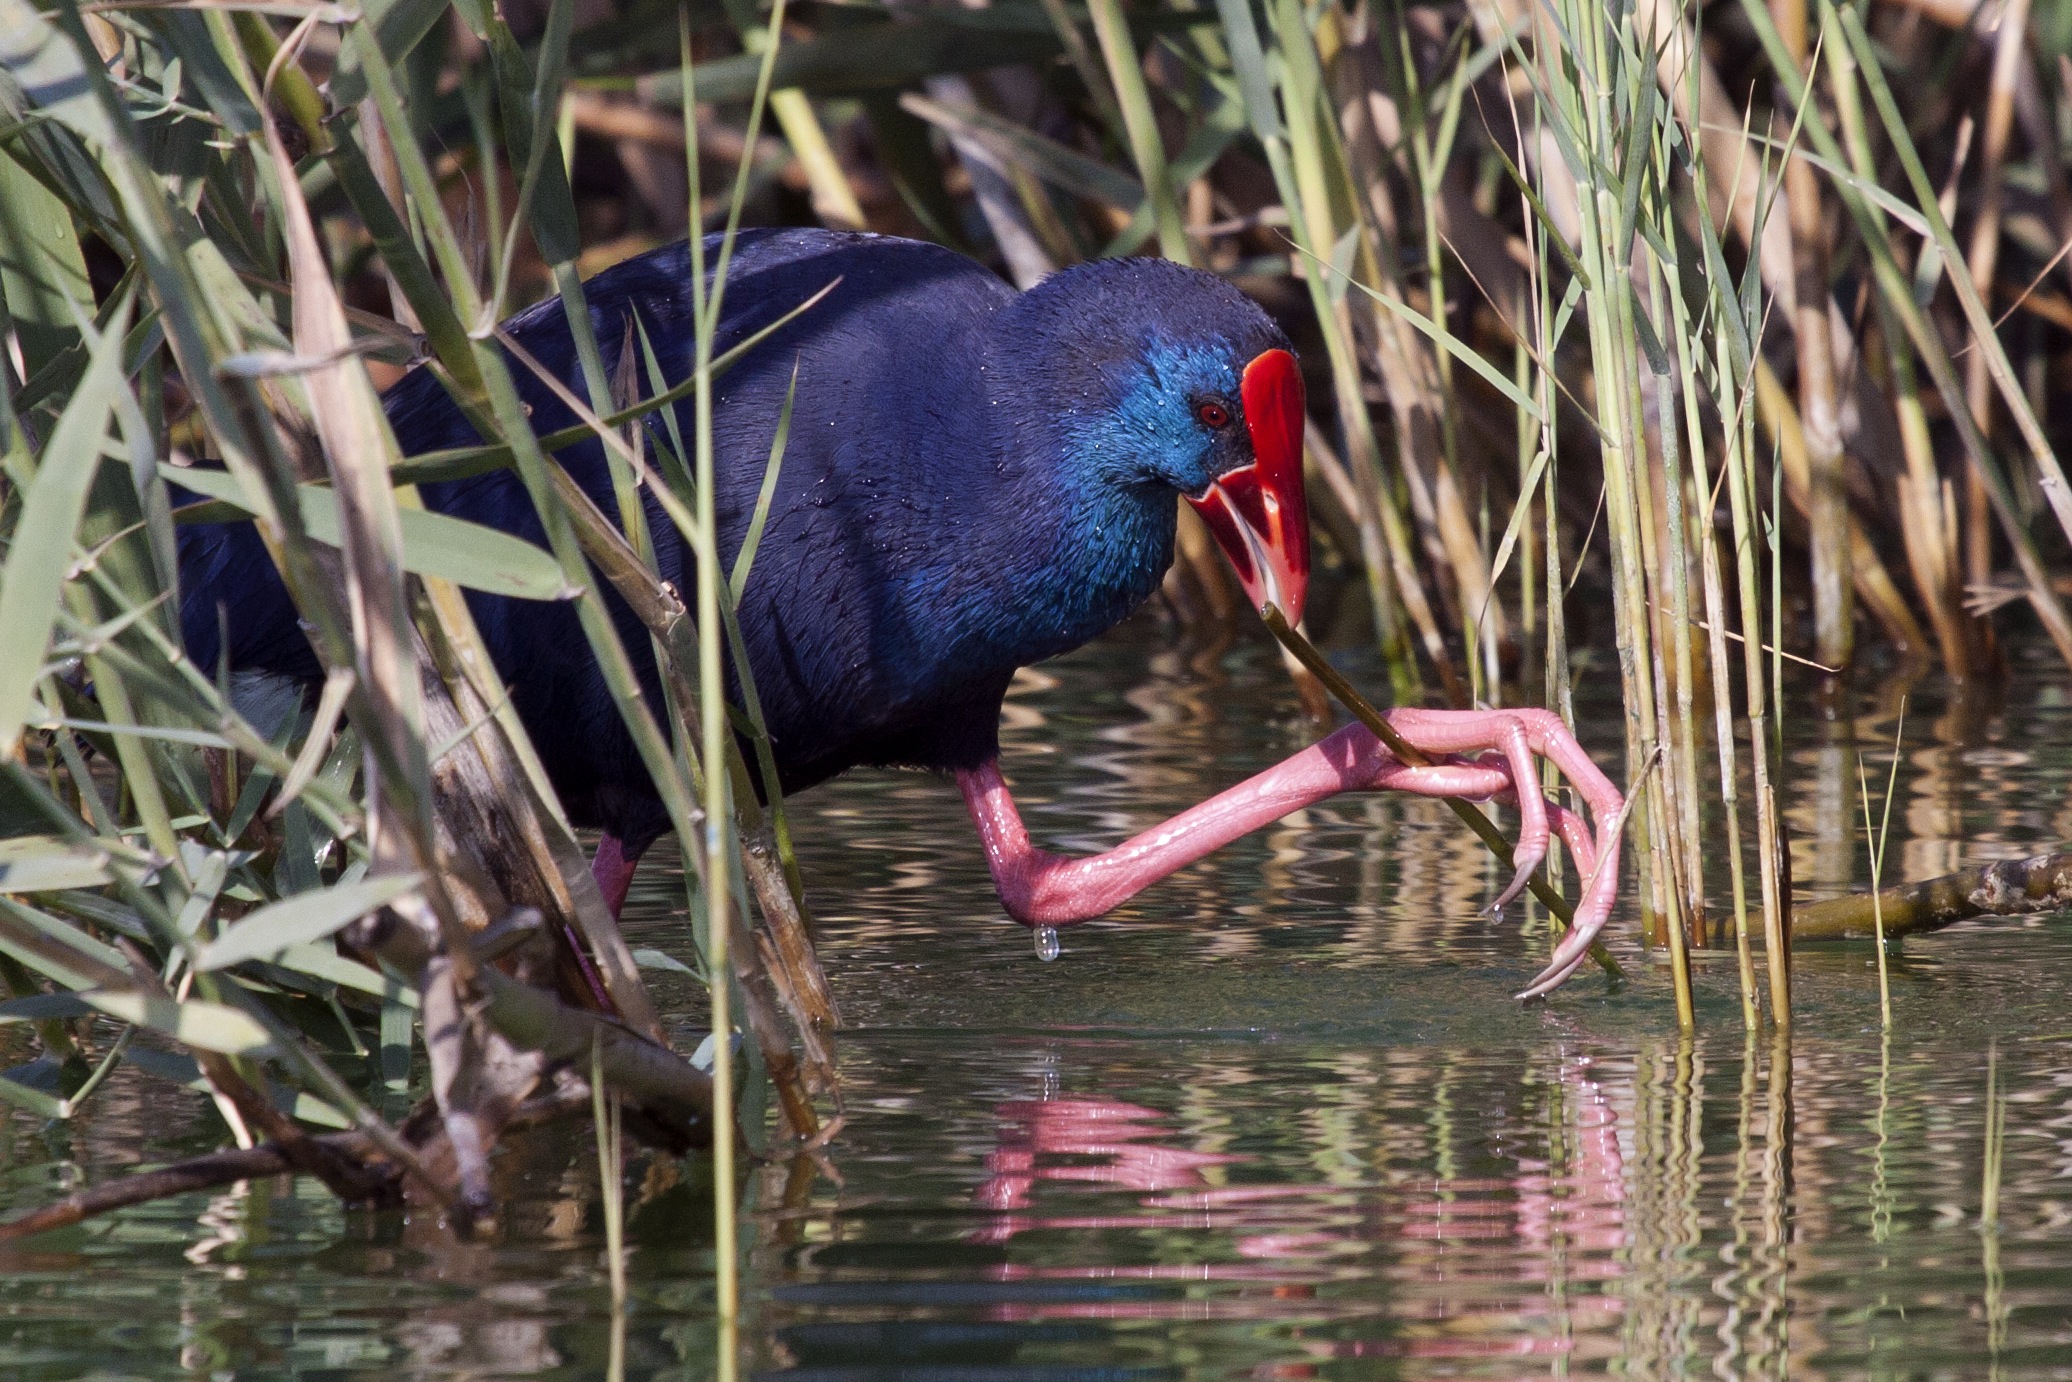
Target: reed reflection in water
x=1702 y=1207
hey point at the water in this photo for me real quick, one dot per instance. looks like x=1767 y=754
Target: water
x=1277 y=1119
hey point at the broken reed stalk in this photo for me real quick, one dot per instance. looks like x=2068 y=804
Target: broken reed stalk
x=1876 y=843
x=1406 y=752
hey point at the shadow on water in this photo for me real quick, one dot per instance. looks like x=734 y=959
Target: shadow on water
x=1279 y=1118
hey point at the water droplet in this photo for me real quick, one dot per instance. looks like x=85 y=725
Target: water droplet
x=1496 y=914
x=1046 y=943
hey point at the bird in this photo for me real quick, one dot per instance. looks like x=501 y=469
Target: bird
x=975 y=479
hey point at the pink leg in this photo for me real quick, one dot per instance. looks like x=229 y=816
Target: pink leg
x=613 y=871
x=1043 y=889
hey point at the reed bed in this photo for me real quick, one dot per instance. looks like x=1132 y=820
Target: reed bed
x=1655 y=308
x=381 y=897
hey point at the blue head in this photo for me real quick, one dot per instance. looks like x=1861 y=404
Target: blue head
x=1125 y=384
x=1131 y=371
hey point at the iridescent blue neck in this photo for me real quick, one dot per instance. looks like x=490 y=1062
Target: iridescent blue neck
x=1114 y=543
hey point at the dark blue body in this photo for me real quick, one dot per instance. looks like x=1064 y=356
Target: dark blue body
x=975 y=479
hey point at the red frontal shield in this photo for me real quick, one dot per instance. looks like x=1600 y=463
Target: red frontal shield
x=1259 y=513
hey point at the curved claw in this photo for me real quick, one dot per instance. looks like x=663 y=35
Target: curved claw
x=1039 y=888
x=1533 y=832
x=1555 y=975
x=1600 y=890
x=1529 y=854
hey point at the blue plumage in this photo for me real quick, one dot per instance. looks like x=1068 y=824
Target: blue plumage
x=975 y=480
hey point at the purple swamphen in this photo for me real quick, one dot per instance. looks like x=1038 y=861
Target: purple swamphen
x=975 y=479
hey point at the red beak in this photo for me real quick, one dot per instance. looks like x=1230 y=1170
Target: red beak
x=1258 y=512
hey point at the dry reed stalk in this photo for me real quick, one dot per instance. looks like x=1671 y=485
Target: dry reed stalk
x=1744 y=506
x=1928 y=527
x=1897 y=291
x=1436 y=498
x=1126 y=76
x=1397 y=361
x=1734 y=169
x=2049 y=474
x=1734 y=176
x=1131 y=97
x=1928 y=516
x=1731 y=398
x=834 y=199
x=1557 y=686
x=1681 y=627
x=476 y=1077
x=1874 y=586
x=1819 y=411
x=2010 y=53
x=1723 y=711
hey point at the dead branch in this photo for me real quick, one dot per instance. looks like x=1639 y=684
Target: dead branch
x=2008 y=888
x=382 y=1176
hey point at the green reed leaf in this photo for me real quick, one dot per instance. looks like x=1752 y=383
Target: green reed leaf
x=1454 y=346
x=44 y=863
x=193 y=1022
x=30 y=1100
x=41 y=552
x=434 y=544
x=301 y=919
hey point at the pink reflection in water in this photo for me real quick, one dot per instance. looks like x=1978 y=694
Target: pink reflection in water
x=1084 y=1127
x=1286 y=1240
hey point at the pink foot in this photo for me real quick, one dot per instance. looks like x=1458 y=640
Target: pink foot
x=1043 y=889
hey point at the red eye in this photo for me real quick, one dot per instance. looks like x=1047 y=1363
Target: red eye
x=1212 y=415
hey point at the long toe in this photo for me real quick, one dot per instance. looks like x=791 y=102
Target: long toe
x=1575 y=833
x=1600 y=891
x=1530 y=852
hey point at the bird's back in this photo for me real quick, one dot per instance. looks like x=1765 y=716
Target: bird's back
x=887 y=487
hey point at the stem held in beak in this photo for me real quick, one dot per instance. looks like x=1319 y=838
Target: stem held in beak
x=1259 y=512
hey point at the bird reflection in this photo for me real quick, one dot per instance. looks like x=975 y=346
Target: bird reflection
x=1561 y=1217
